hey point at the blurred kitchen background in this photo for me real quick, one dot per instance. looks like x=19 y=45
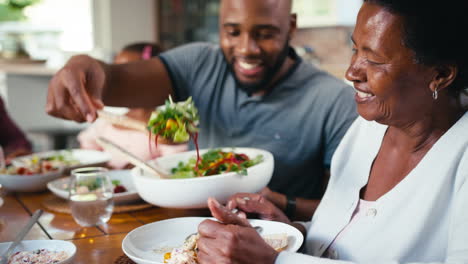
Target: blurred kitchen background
x=38 y=36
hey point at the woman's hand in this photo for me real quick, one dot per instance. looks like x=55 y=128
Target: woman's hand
x=251 y=203
x=231 y=241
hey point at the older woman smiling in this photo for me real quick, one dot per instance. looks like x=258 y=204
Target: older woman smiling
x=398 y=191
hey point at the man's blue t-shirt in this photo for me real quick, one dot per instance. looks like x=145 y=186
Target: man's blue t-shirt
x=301 y=120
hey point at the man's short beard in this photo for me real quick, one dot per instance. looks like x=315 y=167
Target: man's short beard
x=251 y=88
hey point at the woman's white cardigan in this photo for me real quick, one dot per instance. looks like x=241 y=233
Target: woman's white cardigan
x=424 y=219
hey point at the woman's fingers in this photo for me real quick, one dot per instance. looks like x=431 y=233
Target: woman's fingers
x=228 y=243
x=209 y=228
x=225 y=215
x=254 y=203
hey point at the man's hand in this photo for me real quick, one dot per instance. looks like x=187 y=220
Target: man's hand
x=231 y=241
x=305 y=208
x=75 y=92
x=278 y=199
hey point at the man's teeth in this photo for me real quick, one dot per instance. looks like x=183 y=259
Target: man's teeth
x=248 y=66
x=363 y=94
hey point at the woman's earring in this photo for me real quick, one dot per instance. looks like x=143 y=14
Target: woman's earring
x=435 y=94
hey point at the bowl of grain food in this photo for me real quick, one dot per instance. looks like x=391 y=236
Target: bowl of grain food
x=40 y=251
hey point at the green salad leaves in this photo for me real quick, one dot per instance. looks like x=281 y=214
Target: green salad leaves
x=175 y=122
x=215 y=162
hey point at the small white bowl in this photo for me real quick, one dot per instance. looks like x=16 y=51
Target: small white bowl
x=51 y=245
x=29 y=183
x=194 y=192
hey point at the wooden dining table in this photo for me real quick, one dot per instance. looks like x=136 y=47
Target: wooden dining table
x=100 y=244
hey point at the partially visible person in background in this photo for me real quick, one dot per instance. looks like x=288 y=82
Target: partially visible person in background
x=12 y=140
x=137 y=51
x=132 y=140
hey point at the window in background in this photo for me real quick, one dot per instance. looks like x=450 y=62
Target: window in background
x=73 y=18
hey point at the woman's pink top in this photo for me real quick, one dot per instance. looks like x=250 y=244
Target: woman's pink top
x=133 y=141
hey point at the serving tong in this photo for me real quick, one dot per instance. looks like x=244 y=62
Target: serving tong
x=122 y=120
x=111 y=146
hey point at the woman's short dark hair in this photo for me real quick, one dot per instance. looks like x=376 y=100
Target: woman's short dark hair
x=140 y=47
x=436 y=31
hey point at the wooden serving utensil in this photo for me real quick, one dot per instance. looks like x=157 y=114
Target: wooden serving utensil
x=123 y=121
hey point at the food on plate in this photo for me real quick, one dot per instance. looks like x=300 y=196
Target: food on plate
x=277 y=241
x=175 y=122
x=118 y=187
x=39 y=167
x=215 y=162
x=62 y=158
x=96 y=183
x=36 y=164
x=42 y=256
x=187 y=253
x=40 y=164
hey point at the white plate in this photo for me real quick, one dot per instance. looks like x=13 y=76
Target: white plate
x=60 y=186
x=85 y=157
x=148 y=244
x=51 y=245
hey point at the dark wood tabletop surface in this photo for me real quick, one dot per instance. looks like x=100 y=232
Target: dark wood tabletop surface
x=100 y=244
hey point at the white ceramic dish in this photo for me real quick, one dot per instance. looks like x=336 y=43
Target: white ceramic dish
x=148 y=244
x=51 y=245
x=60 y=186
x=194 y=192
x=85 y=157
x=28 y=183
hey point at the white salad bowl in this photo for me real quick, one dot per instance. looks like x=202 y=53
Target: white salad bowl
x=29 y=183
x=194 y=192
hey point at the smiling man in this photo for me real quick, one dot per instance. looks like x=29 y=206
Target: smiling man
x=252 y=90
x=255 y=38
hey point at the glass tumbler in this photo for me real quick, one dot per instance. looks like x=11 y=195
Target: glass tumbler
x=90 y=196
